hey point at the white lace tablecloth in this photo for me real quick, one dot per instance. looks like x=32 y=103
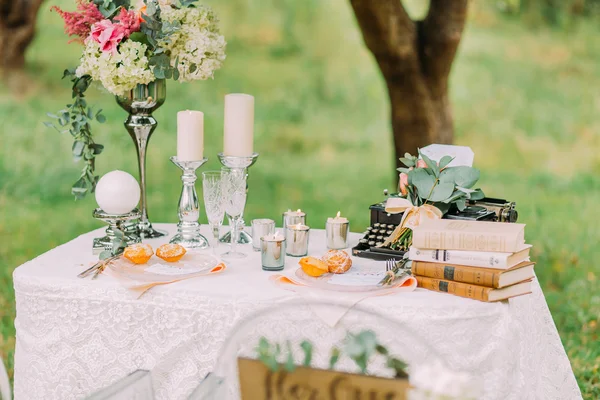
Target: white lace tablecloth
x=75 y=336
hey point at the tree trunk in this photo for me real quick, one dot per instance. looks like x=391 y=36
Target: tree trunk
x=415 y=59
x=17 y=29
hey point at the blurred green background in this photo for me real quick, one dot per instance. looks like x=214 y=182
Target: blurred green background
x=525 y=96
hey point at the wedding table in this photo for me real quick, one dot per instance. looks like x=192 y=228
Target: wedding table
x=75 y=336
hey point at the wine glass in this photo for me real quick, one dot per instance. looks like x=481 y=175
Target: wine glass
x=234 y=192
x=214 y=201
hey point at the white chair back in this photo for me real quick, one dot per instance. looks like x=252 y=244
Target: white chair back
x=295 y=322
x=135 y=386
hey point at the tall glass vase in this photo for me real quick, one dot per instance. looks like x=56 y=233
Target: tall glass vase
x=140 y=103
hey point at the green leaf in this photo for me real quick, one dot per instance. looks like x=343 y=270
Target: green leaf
x=407 y=161
x=104 y=255
x=422 y=181
x=442 y=191
x=97 y=148
x=430 y=163
x=461 y=204
x=334 y=358
x=465 y=190
x=477 y=194
x=457 y=194
x=289 y=366
x=444 y=161
x=52 y=115
x=78 y=148
x=463 y=176
x=100 y=118
x=381 y=350
x=405 y=170
x=307 y=348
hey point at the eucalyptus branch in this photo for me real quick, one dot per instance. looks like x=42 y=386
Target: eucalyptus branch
x=76 y=119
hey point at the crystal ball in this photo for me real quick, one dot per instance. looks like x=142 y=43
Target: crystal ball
x=117 y=193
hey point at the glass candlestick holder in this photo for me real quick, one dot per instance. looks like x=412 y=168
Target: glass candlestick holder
x=188 y=229
x=240 y=163
x=115 y=222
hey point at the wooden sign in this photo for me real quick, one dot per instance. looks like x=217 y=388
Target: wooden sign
x=257 y=382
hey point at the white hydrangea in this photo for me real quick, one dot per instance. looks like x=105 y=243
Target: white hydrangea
x=198 y=45
x=118 y=72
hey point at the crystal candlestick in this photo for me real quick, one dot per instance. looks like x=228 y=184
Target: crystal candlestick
x=188 y=230
x=243 y=163
x=115 y=222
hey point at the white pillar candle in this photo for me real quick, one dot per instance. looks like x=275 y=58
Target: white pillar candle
x=239 y=125
x=190 y=135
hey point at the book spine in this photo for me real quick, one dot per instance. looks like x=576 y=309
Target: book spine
x=458 y=289
x=457 y=273
x=461 y=240
x=459 y=257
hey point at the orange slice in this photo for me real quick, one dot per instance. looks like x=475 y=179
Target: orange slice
x=313 y=266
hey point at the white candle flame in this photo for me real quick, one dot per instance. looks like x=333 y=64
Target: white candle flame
x=337 y=215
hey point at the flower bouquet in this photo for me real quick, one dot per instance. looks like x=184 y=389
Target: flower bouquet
x=428 y=190
x=126 y=44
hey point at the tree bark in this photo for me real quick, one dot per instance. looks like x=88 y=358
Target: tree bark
x=415 y=58
x=17 y=29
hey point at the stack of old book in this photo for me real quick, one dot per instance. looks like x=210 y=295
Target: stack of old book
x=487 y=261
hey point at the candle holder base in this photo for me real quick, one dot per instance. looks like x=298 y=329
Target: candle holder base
x=188 y=230
x=115 y=222
x=146 y=231
x=189 y=238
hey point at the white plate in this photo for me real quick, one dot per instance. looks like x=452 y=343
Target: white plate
x=352 y=284
x=157 y=269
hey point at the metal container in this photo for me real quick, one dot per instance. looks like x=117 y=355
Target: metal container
x=296 y=237
x=337 y=234
x=272 y=253
x=260 y=228
x=293 y=218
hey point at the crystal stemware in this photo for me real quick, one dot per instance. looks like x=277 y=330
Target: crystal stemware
x=214 y=201
x=234 y=192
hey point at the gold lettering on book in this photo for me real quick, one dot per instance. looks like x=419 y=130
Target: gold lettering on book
x=257 y=382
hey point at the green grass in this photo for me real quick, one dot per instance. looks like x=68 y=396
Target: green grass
x=524 y=100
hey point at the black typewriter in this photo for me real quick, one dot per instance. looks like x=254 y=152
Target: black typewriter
x=383 y=224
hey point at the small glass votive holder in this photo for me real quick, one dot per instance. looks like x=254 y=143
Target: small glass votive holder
x=260 y=228
x=337 y=234
x=296 y=237
x=272 y=249
x=293 y=218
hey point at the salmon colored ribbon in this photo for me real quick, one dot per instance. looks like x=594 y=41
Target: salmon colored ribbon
x=413 y=216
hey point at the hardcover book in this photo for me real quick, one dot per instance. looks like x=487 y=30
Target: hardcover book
x=483 y=259
x=488 y=277
x=475 y=292
x=448 y=234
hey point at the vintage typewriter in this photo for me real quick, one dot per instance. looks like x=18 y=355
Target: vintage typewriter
x=383 y=224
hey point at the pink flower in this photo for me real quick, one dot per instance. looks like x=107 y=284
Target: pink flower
x=108 y=35
x=403 y=184
x=421 y=164
x=79 y=23
x=129 y=20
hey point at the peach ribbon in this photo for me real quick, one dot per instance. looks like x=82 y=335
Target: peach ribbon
x=413 y=215
x=140 y=288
